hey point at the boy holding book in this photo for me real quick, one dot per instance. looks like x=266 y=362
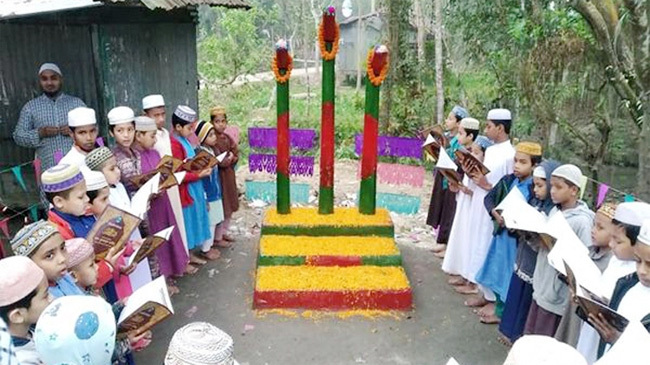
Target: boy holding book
x=23 y=297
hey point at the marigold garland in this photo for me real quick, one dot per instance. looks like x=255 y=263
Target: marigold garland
x=376 y=80
x=276 y=72
x=342 y=217
x=325 y=54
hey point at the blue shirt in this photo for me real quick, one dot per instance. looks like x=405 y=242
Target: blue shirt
x=81 y=225
x=212 y=183
x=65 y=286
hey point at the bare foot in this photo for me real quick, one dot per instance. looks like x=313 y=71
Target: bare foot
x=440 y=254
x=222 y=244
x=466 y=289
x=491 y=319
x=172 y=289
x=228 y=238
x=476 y=301
x=504 y=340
x=211 y=255
x=191 y=269
x=438 y=247
x=487 y=310
x=197 y=260
x=456 y=280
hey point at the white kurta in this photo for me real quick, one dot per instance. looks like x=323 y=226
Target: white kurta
x=75 y=157
x=459 y=248
x=589 y=337
x=119 y=198
x=164 y=147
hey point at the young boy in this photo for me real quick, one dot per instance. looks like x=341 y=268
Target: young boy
x=499 y=263
x=23 y=296
x=83 y=131
x=42 y=243
x=443 y=201
x=82 y=265
x=65 y=189
x=550 y=295
x=631 y=297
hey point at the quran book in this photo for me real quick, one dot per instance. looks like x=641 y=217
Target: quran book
x=149 y=245
x=167 y=166
x=112 y=229
x=469 y=163
x=145 y=308
x=203 y=160
x=140 y=200
x=594 y=306
x=514 y=201
x=584 y=277
x=431 y=147
x=448 y=168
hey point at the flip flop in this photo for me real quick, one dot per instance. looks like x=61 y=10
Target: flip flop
x=474 y=302
x=491 y=319
x=456 y=280
x=466 y=289
x=191 y=270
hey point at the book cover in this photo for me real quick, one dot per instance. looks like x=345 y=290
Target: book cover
x=112 y=229
x=145 y=308
x=470 y=164
x=203 y=160
x=149 y=245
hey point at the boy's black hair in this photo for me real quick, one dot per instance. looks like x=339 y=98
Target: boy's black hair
x=507 y=124
x=473 y=133
x=111 y=127
x=65 y=194
x=224 y=115
x=535 y=160
x=631 y=231
x=92 y=195
x=176 y=120
x=26 y=303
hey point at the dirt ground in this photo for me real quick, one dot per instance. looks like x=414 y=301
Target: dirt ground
x=437 y=328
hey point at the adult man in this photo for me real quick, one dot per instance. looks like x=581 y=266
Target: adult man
x=43 y=122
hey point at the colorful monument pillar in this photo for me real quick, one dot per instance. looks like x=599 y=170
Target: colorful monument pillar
x=328 y=37
x=282 y=65
x=377 y=68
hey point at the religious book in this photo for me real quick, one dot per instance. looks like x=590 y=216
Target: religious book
x=591 y=304
x=469 y=163
x=140 y=200
x=448 y=168
x=112 y=229
x=149 y=245
x=201 y=161
x=166 y=167
x=584 y=278
x=145 y=308
x=569 y=249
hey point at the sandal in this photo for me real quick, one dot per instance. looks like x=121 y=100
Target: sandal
x=476 y=301
x=211 y=255
x=197 y=260
x=456 y=280
x=491 y=319
x=222 y=244
x=191 y=269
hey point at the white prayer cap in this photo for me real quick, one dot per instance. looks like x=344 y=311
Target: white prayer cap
x=95 y=180
x=81 y=116
x=470 y=123
x=145 y=124
x=499 y=114
x=120 y=115
x=152 y=101
x=543 y=350
x=632 y=213
x=200 y=343
x=185 y=113
x=644 y=234
x=50 y=67
x=569 y=172
x=539 y=172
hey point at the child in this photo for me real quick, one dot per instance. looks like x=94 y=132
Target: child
x=23 y=296
x=520 y=291
x=212 y=185
x=443 y=202
x=457 y=256
x=42 y=243
x=121 y=126
x=76 y=330
x=499 y=263
x=631 y=296
x=82 y=265
x=172 y=257
x=601 y=233
x=83 y=131
x=230 y=195
x=153 y=107
x=550 y=295
x=192 y=193
x=499 y=159
x=65 y=189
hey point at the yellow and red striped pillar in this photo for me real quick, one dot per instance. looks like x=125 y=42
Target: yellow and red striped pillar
x=282 y=66
x=328 y=37
x=377 y=68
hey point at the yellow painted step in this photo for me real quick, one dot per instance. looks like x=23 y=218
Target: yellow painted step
x=330 y=278
x=272 y=245
x=308 y=216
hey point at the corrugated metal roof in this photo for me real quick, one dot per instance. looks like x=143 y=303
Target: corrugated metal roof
x=23 y=8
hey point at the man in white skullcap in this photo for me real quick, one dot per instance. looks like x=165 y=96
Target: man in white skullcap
x=499 y=159
x=43 y=121
x=82 y=123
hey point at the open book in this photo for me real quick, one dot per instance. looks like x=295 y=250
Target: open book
x=469 y=163
x=203 y=160
x=145 y=308
x=592 y=304
x=112 y=229
x=448 y=168
x=149 y=245
x=166 y=167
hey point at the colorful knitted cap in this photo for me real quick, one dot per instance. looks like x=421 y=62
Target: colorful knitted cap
x=97 y=157
x=60 y=178
x=31 y=236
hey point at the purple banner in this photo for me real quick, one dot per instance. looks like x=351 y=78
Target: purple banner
x=393 y=146
x=299 y=165
x=301 y=139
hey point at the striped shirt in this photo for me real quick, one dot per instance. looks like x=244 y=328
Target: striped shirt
x=44 y=111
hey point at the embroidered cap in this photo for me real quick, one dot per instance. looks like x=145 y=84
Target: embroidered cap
x=19 y=276
x=81 y=116
x=460 y=112
x=570 y=173
x=483 y=142
x=60 y=178
x=529 y=148
x=120 y=115
x=607 y=209
x=217 y=110
x=632 y=213
x=145 y=124
x=470 y=123
x=202 y=130
x=152 y=101
x=499 y=114
x=96 y=157
x=78 y=250
x=95 y=180
x=48 y=66
x=76 y=329
x=200 y=343
x=31 y=236
x=185 y=113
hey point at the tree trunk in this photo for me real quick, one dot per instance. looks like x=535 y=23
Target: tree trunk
x=360 y=47
x=440 y=97
x=643 y=177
